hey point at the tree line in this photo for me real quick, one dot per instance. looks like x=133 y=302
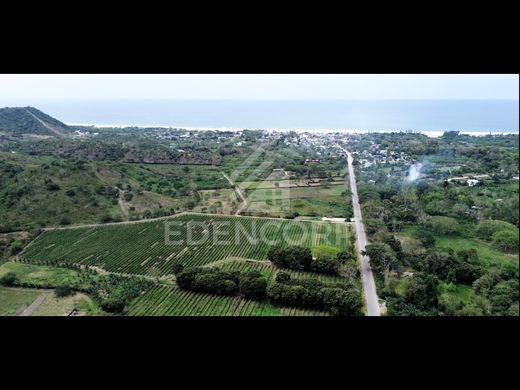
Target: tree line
x=337 y=299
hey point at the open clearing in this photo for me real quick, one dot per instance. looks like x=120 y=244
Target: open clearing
x=40 y=275
x=329 y=200
x=15 y=301
x=141 y=248
x=488 y=255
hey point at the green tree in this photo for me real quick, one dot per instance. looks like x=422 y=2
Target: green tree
x=503 y=296
x=423 y=291
x=506 y=240
x=283 y=277
x=438 y=262
x=292 y=257
x=252 y=285
x=444 y=225
x=468 y=268
x=486 y=229
x=382 y=258
x=341 y=302
x=326 y=264
x=114 y=305
x=486 y=282
x=63 y=290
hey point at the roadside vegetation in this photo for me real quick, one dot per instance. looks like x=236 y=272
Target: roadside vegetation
x=438 y=245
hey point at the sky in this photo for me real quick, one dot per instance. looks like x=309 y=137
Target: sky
x=257 y=86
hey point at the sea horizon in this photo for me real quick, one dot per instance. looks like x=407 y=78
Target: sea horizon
x=479 y=116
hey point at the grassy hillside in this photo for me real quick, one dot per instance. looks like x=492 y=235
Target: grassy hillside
x=29 y=120
x=47 y=191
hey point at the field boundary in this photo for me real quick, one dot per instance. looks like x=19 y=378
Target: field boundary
x=173 y=216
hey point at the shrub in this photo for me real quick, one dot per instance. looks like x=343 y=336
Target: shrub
x=113 y=305
x=52 y=187
x=65 y=221
x=177 y=268
x=503 y=296
x=63 y=291
x=106 y=218
x=468 y=267
x=426 y=238
x=9 y=279
x=443 y=225
x=506 y=240
x=16 y=247
x=283 y=277
x=486 y=229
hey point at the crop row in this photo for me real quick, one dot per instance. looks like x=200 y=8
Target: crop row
x=165 y=300
x=152 y=248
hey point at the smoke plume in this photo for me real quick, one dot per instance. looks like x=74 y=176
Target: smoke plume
x=414 y=173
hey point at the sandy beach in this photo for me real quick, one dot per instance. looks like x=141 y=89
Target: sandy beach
x=429 y=133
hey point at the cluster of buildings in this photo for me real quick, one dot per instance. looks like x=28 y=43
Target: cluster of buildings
x=374 y=155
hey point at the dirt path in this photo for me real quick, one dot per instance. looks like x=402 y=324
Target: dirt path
x=33 y=306
x=55 y=131
x=234 y=258
x=122 y=203
x=239 y=193
x=93 y=225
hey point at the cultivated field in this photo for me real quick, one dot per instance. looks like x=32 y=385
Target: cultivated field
x=164 y=300
x=141 y=248
x=168 y=300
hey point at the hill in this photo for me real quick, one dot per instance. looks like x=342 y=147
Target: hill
x=28 y=120
x=49 y=191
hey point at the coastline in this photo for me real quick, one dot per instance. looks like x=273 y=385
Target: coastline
x=428 y=133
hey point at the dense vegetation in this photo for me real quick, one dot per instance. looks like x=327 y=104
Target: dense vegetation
x=300 y=259
x=40 y=192
x=437 y=241
x=338 y=299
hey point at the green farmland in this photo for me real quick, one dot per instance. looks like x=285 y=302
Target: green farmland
x=169 y=300
x=141 y=249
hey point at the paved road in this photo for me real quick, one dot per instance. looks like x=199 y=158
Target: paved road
x=369 y=285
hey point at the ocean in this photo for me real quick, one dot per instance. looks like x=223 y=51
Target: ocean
x=318 y=115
